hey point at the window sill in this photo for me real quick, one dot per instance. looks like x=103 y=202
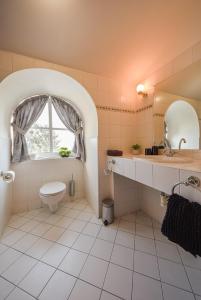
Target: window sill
x=49 y=156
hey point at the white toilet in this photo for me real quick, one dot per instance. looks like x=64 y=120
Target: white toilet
x=52 y=193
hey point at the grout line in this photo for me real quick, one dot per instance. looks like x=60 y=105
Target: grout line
x=186 y=273
x=158 y=263
x=78 y=278
x=109 y=259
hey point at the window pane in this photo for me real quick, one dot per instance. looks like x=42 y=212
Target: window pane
x=43 y=120
x=38 y=140
x=62 y=138
x=56 y=122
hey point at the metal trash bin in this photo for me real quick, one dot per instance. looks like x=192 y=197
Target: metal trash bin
x=108 y=211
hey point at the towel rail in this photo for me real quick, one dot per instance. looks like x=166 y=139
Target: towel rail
x=191 y=181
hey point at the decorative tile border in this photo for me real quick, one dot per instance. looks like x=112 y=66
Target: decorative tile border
x=159 y=115
x=115 y=109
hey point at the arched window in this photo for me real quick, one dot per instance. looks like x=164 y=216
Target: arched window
x=48 y=133
x=42 y=125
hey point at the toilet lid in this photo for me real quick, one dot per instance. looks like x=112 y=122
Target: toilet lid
x=52 y=188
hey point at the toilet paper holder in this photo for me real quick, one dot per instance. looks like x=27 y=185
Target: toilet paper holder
x=8 y=176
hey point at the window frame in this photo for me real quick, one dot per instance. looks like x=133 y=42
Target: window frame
x=50 y=128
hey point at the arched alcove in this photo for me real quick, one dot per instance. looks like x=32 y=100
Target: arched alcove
x=29 y=82
x=182 y=122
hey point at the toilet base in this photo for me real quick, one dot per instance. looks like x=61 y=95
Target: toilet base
x=52 y=201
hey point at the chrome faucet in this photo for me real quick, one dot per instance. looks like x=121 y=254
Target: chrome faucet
x=168 y=149
x=180 y=142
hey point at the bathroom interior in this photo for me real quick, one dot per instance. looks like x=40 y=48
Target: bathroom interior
x=100 y=150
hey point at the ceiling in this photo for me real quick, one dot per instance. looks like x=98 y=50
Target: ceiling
x=126 y=39
x=186 y=83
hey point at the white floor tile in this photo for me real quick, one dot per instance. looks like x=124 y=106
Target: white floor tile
x=92 y=229
x=5 y=288
x=3 y=248
x=96 y=220
x=194 y=276
x=37 y=278
x=102 y=249
x=119 y=281
x=40 y=229
x=13 y=237
x=7 y=258
x=84 y=216
x=55 y=255
x=129 y=217
x=59 y=287
x=126 y=226
x=145 y=245
x=88 y=209
x=160 y=237
x=122 y=256
x=73 y=213
x=189 y=260
x=80 y=206
x=171 y=293
x=143 y=219
x=53 y=219
x=25 y=242
x=73 y=262
x=77 y=225
x=68 y=238
x=17 y=222
x=31 y=224
x=6 y=232
x=107 y=234
x=39 y=248
x=94 y=271
x=168 y=251
x=54 y=233
x=108 y=296
x=84 y=243
x=18 y=294
x=83 y=290
x=65 y=222
x=156 y=224
x=125 y=239
x=18 y=270
x=63 y=211
x=146 y=264
x=143 y=230
x=145 y=288
x=173 y=273
x=42 y=217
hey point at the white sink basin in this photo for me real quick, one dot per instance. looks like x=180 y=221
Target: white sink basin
x=175 y=160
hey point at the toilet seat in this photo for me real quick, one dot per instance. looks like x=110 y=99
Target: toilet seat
x=52 y=188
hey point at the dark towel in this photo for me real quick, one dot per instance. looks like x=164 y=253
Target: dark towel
x=182 y=224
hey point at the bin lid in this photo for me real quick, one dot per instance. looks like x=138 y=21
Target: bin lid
x=108 y=202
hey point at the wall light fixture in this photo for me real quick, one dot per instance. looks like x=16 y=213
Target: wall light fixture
x=140 y=88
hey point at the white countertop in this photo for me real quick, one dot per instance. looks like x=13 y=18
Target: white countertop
x=178 y=162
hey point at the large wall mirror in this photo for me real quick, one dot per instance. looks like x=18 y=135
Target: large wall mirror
x=177 y=109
